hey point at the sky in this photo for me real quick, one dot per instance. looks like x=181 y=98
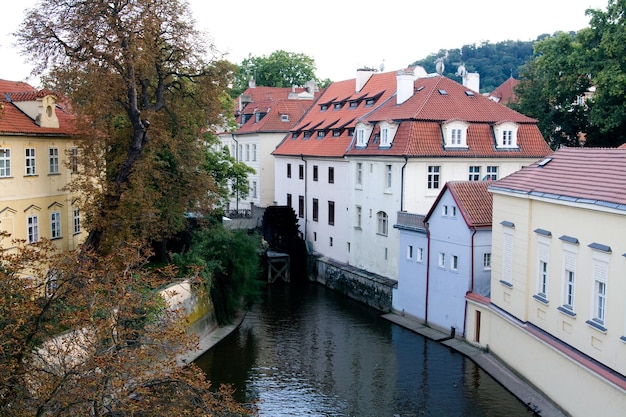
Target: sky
x=344 y=35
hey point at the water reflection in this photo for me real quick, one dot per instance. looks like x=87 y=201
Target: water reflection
x=310 y=352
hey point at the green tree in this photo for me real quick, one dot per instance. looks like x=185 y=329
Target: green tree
x=279 y=69
x=144 y=86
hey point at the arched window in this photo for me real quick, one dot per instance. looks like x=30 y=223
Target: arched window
x=383 y=223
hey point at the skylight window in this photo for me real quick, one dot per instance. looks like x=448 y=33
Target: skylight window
x=443 y=92
x=469 y=93
x=544 y=162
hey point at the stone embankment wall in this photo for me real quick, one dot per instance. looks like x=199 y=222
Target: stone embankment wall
x=198 y=309
x=371 y=289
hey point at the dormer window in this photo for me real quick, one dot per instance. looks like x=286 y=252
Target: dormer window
x=258 y=116
x=506 y=135
x=337 y=106
x=354 y=104
x=455 y=134
x=324 y=107
x=307 y=134
x=284 y=117
x=363 y=132
x=320 y=133
x=336 y=133
x=387 y=133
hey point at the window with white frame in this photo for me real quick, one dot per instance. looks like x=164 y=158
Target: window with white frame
x=442 y=260
x=507 y=256
x=360 y=137
x=32 y=228
x=247 y=152
x=543 y=254
x=254 y=152
x=383 y=223
x=76 y=215
x=55 y=225
x=452 y=211
x=569 y=276
x=387 y=133
x=409 y=252
x=600 y=270
x=29 y=154
x=5 y=162
x=474 y=173
x=53 y=158
x=388 y=172
x=359 y=214
x=455 y=134
x=506 y=134
x=454 y=263
x=74 y=160
x=487 y=261
x=51 y=283
x=420 y=254
x=254 y=189
x=433 y=177
x=359 y=173
x=492 y=173
x=444 y=210
x=384 y=136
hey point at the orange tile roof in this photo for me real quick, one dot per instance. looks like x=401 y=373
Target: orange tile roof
x=585 y=175
x=13 y=121
x=420 y=117
x=505 y=93
x=272 y=121
x=475 y=203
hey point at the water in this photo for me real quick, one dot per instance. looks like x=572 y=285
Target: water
x=307 y=351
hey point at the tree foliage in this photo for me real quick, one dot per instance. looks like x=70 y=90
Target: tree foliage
x=575 y=82
x=279 y=69
x=94 y=339
x=138 y=76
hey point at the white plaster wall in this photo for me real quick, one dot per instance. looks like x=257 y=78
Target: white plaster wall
x=410 y=296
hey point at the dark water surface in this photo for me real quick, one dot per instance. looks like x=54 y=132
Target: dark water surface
x=307 y=351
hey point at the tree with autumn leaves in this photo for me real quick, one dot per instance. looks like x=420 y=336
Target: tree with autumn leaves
x=84 y=332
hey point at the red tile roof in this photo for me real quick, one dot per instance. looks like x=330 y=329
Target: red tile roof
x=473 y=200
x=585 y=175
x=420 y=117
x=505 y=93
x=15 y=122
x=274 y=109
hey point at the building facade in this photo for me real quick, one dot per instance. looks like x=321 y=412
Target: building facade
x=557 y=311
x=38 y=158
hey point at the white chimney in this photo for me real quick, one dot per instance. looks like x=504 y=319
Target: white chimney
x=471 y=80
x=405 y=81
x=362 y=76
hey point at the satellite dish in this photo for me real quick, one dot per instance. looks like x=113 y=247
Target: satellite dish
x=461 y=71
x=382 y=66
x=439 y=66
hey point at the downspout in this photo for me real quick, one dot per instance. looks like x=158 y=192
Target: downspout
x=305 y=194
x=406 y=160
x=471 y=290
x=236 y=178
x=427 y=270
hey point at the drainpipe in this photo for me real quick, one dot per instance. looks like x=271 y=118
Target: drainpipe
x=236 y=178
x=427 y=270
x=305 y=193
x=406 y=160
x=471 y=290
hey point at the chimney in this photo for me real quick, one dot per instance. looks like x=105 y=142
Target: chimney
x=252 y=83
x=362 y=76
x=405 y=80
x=471 y=80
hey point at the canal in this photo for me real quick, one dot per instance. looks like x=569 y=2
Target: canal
x=308 y=351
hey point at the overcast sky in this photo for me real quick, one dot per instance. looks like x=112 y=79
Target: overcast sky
x=343 y=35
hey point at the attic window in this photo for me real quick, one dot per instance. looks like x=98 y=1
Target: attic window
x=258 y=116
x=455 y=134
x=354 y=104
x=369 y=102
x=337 y=106
x=324 y=107
x=307 y=134
x=506 y=135
x=443 y=92
x=351 y=131
x=321 y=133
x=544 y=162
x=469 y=93
x=336 y=133
x=420 y=88
x=294 y=135
x=284 y=117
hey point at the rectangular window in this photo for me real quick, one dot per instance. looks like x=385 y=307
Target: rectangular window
x=507 y=137
x=383 y=223
x=315 y=172
x=359 y=213
x=5 y=162
x=409 y=252
x=241 y=152
x=600 y=278
x=543 y=252
x=388 y=176
x=420 y=254
x=315 y=209
x=474 y=173
x=254 y=152
x=454 y=263
x=507 y=257
x=30 y=161
x=331 y=175
x=76 y=221
x=288 y=170
x=487 y=261
x=55 y=225
x=74 y=160
x=442 y=260
x=32 y=225
x=289 y=201
x=331 y=213
x=384 y=137
x=492 y=173
x=569 y=278
x=433 y=177
x=254 y=189
x=301 y=206
x=455 y=137
x=247 y=152
x=301 y=171
x=359 y=173
x=444 y=210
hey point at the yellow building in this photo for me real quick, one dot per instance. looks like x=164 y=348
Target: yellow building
x=557 y=312
x=37 y=160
